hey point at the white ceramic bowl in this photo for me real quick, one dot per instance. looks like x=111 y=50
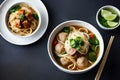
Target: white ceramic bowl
x=80 y=23
x=38 y=13
x=113 y=9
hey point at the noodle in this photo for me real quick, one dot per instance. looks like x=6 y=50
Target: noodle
x=83 y=30
x=22 y=22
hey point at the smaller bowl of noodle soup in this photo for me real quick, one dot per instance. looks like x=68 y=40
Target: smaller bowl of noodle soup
x=23 y=19
x=75 y=46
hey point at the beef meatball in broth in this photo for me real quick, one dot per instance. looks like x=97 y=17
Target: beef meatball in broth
x=64 y=61
x=82 y=62
x=62 y=36
x=59 y=48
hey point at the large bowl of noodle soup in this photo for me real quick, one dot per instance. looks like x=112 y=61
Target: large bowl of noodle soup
x=75 y=46
x=23 y=19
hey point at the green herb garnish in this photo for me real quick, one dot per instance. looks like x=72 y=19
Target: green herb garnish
x=21 y=17
x=79 y=41
x=76 y=43
x=73 y=43
x=35 y=16
x=77 y=47
x=66 y=29
x=15 y=8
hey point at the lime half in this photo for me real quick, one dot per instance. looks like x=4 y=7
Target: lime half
x=112 y=23
x=108 y=15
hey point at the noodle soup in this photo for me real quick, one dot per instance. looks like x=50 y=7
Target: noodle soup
x=22 y=19
x=75 y=47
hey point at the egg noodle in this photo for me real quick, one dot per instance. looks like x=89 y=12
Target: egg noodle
x=23 y=21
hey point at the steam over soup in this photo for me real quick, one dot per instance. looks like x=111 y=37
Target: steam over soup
x=22 y=19
x=75 y=47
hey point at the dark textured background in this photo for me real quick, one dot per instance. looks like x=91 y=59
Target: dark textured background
x=33 y=63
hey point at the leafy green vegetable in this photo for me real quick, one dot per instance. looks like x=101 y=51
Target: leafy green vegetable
x=66 y=29
x=93 y=47
x=15 y=8
x=21 y=17
x=92 y=56
x=35 y=16
x=94 y=41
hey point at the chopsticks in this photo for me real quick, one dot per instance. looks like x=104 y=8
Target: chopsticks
x=97 y=77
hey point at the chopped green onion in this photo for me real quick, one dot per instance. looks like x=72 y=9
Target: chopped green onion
x=77 y=47
x=79 y=41
x=76 y=43
x=72 y=43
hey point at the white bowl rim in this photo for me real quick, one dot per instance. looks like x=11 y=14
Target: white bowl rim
x=74 y=71
x=112 y=7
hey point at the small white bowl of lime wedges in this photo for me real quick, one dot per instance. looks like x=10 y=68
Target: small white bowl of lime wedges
x=108 y=17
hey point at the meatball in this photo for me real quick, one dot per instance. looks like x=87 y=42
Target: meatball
x=62 y=36
x=64 y=61
x=59 y=48
x=82 y=62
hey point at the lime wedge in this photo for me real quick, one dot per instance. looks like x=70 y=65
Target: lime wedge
x=105 y=12
x=108 y=15
x=112 y=23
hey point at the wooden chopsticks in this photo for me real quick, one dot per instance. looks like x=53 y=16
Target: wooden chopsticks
x=97 y=77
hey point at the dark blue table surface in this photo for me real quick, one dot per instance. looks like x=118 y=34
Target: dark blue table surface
x=33 y=63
